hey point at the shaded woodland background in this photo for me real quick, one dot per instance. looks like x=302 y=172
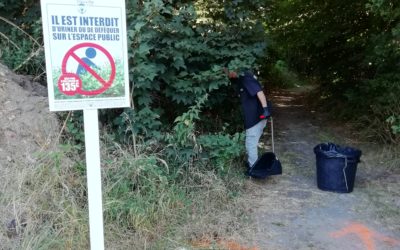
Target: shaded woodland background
x=349 y=51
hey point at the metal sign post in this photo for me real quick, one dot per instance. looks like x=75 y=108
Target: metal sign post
x=92 y=146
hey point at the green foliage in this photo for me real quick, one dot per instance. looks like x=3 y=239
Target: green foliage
x=21 y=54
x=351 y=48
x=140 y=193
x=322 y=38
x=73 y=133
x=177 y=52
x=186 y=148
x=182 y=147
x=394 y=121
x=222 y=150
x=20 y=36
x=184 y=129
x=279 y=75
x=21 y=12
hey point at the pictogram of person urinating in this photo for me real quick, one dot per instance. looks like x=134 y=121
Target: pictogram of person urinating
x=90 y=54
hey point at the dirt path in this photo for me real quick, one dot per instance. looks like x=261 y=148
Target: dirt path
x=290 y=212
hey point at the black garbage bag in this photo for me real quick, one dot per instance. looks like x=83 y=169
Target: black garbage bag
x=268 y=164
x=336 y=167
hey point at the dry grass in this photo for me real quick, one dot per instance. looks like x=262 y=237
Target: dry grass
x=213 y=215
x=45 y=200
x=145 y=206
x=379 y=183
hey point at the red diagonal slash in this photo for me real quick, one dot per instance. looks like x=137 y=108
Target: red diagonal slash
x=106 y=84
x=89 y=69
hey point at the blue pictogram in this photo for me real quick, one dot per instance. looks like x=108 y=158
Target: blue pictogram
x=90 y=54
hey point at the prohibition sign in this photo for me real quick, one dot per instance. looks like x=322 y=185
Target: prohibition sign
x=74 y=81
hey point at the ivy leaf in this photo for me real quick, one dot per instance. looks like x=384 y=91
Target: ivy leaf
x=144 y=49
x=139 y=26
x=179 y=63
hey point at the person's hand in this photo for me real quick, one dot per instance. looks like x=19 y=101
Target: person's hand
x=266 y=114
x=233 y=74
x=230 y=74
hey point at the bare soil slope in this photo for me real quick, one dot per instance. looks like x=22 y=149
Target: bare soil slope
x=27 y=128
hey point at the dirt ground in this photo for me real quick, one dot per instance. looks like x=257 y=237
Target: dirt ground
x=290 y=212
x=27 y=128
x=26 y=125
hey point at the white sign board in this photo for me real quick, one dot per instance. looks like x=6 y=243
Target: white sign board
x=86 y=54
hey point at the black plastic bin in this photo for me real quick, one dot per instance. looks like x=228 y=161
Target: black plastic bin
x=336 y=167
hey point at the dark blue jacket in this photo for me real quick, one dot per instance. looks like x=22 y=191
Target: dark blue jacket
x=247 y=86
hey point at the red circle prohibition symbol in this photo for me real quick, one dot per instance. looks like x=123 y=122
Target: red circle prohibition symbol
x=71 y=54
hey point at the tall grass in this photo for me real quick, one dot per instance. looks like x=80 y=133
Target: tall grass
x=48 y=205
x=148 y=202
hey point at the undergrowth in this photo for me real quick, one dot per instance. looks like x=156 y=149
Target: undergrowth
x=21 y=50
x=147 y=203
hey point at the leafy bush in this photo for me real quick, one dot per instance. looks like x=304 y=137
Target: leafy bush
x=394 y=122
x=21 y=37
x=177 y=52
x=186 y=147
x=222 y=150
x=73 y=132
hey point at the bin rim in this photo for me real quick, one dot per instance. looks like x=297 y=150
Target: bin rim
x=331 y=150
